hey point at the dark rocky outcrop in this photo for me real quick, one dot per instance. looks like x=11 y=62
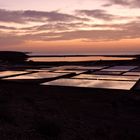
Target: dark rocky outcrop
x=13 y=56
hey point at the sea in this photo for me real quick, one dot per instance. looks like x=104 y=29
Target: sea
x=40 y=57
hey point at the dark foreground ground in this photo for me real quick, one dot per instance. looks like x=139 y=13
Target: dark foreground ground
x=32 y=112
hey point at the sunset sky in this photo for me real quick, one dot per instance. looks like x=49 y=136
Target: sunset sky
x=70 y=27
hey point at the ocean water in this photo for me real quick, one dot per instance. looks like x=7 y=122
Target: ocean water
x=77 y=58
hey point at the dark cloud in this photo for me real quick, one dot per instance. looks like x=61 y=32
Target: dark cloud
x=50 y=16
x=36 y=16
x=128 y=3
x=11 y=16
x=99 y=14
x=7 y=28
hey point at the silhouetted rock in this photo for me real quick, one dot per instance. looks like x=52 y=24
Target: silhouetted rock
x=13 y=56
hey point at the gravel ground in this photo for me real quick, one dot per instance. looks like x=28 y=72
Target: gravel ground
x=31 y=112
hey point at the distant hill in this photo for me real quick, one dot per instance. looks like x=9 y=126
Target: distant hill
x=13 y=56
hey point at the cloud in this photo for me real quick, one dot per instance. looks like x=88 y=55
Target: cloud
x=7 y=28
x=59 y=27
x=36 y=16
x=50 y=16
x=120 y=31
x=11 y=16
x=128 y=3
x=98 y=14
x=56 y=26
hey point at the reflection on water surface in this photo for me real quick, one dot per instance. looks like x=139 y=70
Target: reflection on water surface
x=125 y=85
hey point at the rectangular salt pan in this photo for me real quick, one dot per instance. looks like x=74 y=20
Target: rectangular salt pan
x=103 y=84
x=107 y=77
x=132 y=73
x=107 y=72
x=11 y=73
x=136 y=69
x=88 y=67
x=62 y=67
x=69 y=71
x=120 y=68
x=78 y=68
x=38 y=75
x=44 y=70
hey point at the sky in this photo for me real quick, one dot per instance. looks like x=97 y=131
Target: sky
x=70 y=27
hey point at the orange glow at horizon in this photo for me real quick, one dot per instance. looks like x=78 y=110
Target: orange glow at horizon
x=76 y=46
